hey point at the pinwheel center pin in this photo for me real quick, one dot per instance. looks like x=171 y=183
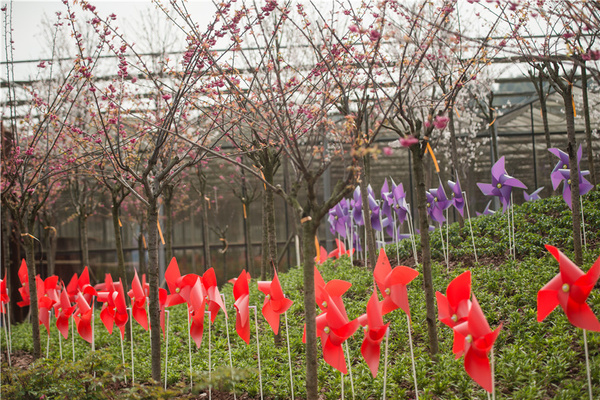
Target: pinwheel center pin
x=366 y=328
x=454 y=318
x=499 y=185
x=565 y=166
x=324 y=304
x=469 y=338
x=569 y=181
x=428 y=205
x=268 y=297
x=59 y=309
x=326 y=330
x=45 y=294
x=566 y=287
x=435 y=199
x=387 y=291
x=177 y=290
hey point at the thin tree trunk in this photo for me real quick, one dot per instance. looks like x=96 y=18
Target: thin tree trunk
x=50 y=236
x=425 y=249
x=205 y=234
x=264 y=261
x=153 y=280
x=454 y=155
x=27 y=224
x=364 y=194
x=142 y=253
x=544 y=111
x=270 y=212
x=309 y=231
x=168 y=230
x=574 y=175
x=248 y=240
x=588 y=126
x=119 y=241
x=83 y=240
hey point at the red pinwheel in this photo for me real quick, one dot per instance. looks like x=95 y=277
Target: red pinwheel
x=392 y=284
x=375 y=331
x=63 y=311
x=3 y=295
x=179 y=286
x=114 y=310
x=81 y=284
x=241 y=293
x=334 y=328
x=331 y=291
x=474 y=339
x=47 y=296
x=196 y=310
x=214 y=300
x=24 y=289
x=83 y=318
x=138 y=302
x=453 y=308
x=340 y=250
x=275 y=302
x=570 y=288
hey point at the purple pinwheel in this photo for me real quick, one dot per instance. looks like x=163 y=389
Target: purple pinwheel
x=584 y=185
x=338 y=218
x=486 y=210
x=533 y=196
x=563 y=163
x=356 y=207
x=457 y=196
x=502 y=184
x=394 y=200
x=437 y=203
x=378 y=222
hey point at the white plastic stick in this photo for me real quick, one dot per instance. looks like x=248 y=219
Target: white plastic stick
x=411 y=231
x=447 y=239
x=444 y=248
x=385 y=360
x=131 y=337
x=190 y=348
x=509 y=236
x=350 y=370
x=258 y=352
x=287 y=336
x=60 y=344
x=229 y=342
x=167 y=347
x=587 y=363
x=48 y=341
x=512 y=222
x=493 y=379
x=297 y=243
x=73 y=339
x=7 y=334
x=583 y=223
x=122 y=354
x=412 y=357
x=470 y=225
x=342 y=379
x=209 y=357
x=351 y=238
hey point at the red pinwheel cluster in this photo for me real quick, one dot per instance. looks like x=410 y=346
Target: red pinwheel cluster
x=338 y=252
x=473 y=336
x=570 y=289
x=198 y=292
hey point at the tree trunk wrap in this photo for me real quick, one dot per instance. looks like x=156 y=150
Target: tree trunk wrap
x=574 y=173
x=364 y=195
x=425 y=248
x=153 y=280
x=308 y=232
x=27 y=225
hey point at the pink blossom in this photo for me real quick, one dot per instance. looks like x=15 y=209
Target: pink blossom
x=374 y=35
x=166 y=97
x=441 y=121
x=388 y=150
x=42 y=64
x=408 y=141
x=353 y=28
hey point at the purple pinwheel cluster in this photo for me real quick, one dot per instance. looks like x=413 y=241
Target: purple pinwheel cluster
x=393 y=202
x=339 y=218
x=437 y=203
x=562 y=173
x=502 y=184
